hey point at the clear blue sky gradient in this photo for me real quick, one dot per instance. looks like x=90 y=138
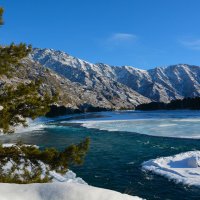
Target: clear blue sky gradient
x=140 y=33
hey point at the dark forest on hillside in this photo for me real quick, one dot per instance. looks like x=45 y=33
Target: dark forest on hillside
x=186 y=103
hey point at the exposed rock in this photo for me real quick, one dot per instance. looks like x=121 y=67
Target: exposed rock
x=159 y=84
x=162 y=83
x=73 y=96
x=84 y=86
x=95 y=87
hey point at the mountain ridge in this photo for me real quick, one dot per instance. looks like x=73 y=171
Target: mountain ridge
x=98 y=63
x=73 y=96
x=158 y=84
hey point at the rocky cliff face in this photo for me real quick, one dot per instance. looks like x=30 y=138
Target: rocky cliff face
x=124 y=83
x=163 y=84
x=95 y=85
x=84 y=86
x=103 y=94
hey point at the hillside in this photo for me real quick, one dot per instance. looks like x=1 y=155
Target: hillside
x=159 y=84
x=84 y=86
x=73 y=95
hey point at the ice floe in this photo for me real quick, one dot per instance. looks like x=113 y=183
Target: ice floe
x=182 y=168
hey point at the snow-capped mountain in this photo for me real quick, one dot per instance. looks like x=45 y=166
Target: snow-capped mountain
x=162 y=83
x=126 y=83
x=82 y=84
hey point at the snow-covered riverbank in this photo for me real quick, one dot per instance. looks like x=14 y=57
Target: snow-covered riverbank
x=66 y=187
x=61 y=187
x=58 y=191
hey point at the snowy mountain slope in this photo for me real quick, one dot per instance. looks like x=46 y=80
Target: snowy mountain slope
x=162 y=84
x=97 y=81
x=105 y=94
x=159 y=84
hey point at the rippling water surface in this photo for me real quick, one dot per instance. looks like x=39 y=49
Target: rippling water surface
x=120 y=142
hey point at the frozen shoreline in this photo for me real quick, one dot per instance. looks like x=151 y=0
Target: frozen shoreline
x=175 y=124
x=63 y=186
x=59 y=191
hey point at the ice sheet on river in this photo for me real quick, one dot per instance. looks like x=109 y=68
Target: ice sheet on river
x=179 y=124
x=182 y=168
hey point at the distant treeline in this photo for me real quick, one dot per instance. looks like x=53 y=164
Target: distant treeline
x=187 y=103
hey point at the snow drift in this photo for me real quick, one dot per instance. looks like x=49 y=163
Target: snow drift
x=58 y=191
x=63 y=186
x=182 y=168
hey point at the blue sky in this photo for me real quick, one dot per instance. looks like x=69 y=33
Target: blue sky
x=140 y=33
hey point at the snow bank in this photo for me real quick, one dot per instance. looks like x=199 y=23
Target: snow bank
x=69 y=177
x=182 y=168
x=58 y=191
x=38 y=124
x=63 y=186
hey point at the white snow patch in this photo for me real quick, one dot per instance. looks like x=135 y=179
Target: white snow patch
x=58 y=191
x=69 y=176
x=38 y=124
x=14 y=144
x=182 y=168
x=62 y=187
x=166 y=125
x=186 y=120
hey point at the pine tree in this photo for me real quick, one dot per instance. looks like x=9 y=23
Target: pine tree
x=10 y=56
x=22 y=101
x=1 y=15
x=23 y=155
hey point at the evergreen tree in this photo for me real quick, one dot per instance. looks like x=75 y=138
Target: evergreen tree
x=30 y=156
x=1 y=15
x=10 y=56
x=18 y=103
x=22 y=101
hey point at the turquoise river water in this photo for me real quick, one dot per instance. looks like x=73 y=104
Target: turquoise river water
x=120 y=142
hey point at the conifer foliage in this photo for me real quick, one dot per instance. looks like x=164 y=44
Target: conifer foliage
x=20 y=103
x=11 y=56
x=24 y=100
x=29 y=164
x=24 y=163
x=1 y=16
